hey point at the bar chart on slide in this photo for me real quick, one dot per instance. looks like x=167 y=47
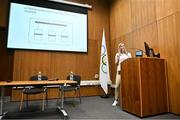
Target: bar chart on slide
x=50 y=32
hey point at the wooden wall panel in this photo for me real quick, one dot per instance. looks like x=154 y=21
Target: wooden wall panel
x=169 y=40
x=167 y=36
x=79 y=63
x=147 y=34
x=4 y=55
x=28 y=63
x=174 y=86
x=177 y=32
x=60 y=65
x=3 y=12
x=120 y=24
x=123 y=19
x=112 y=64
x=165 y=8
x=143 y=12
x=6 y=59
x=178 y=5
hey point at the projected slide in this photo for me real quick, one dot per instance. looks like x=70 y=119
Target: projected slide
x=39 y=28
x=50 y=32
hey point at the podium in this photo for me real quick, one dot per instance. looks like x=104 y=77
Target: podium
x=144 y=89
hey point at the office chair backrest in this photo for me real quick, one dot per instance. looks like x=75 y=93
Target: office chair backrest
x=75 y=78
x=35 y=77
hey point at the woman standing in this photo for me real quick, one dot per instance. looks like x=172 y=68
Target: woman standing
x=121 y=55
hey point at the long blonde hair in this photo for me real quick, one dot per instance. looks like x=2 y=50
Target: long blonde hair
x=122 y=49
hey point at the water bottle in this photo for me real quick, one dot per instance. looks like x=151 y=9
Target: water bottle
x=71 y=75
x=39 y=76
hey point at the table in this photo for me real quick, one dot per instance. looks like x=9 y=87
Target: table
x=4 y=84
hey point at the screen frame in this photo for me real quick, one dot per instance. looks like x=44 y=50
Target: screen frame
x=147 y=48
x=51 y=5
x=139 y=53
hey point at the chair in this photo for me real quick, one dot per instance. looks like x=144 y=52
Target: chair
x=35 y=89
x=73 y=87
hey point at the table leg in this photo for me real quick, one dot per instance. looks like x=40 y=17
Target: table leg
x=61 y=108
x=2 y=100
x=62 y=98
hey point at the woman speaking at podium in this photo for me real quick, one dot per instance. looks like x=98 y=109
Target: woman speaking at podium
x=121 y=55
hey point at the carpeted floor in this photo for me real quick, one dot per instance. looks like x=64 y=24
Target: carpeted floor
x=90 y=108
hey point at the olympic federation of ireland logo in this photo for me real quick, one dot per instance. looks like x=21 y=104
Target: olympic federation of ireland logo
x=104 y=60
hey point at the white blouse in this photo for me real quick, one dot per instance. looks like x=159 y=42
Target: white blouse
x=120 y=58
